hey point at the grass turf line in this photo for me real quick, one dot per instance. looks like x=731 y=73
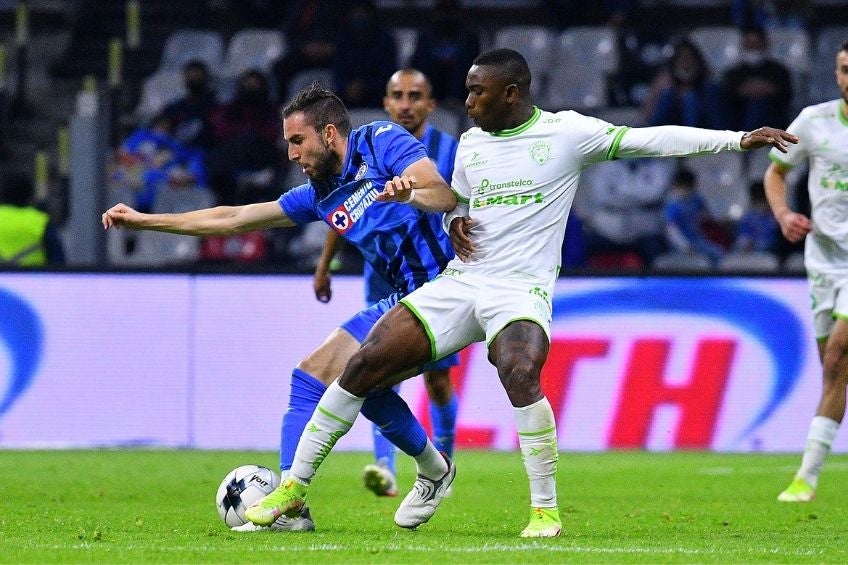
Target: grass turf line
x=152 y=506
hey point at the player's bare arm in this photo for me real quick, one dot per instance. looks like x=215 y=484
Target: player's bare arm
x=793 y=225
x=422 y=186
x=767 y=136
x=220 y=220
x=321 y=280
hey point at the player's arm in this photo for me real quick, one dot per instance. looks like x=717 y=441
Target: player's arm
x=220 y=220
x=793 y=225
x=680 y=141
x=321 y=280
x=422 y=186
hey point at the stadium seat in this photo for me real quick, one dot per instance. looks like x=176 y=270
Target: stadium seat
x=185 y=45
x=307 y=77
x=253 y=49
x=158 y=90
x=749 y=262
x=721 y=181
x=406 y=39
x=675 y=262
x=719 y=45
x=536 y=44
x=583 y=58
x=158 y=248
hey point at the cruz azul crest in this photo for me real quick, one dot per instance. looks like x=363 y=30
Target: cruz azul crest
x=540 y=151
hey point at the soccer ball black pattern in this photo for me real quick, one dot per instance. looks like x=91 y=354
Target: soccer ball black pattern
x=241 y=488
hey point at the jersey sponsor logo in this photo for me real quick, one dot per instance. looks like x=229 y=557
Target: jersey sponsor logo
x=339 y=220
x=540 y=152
x=488 y=186
x=21 y=331
x=363 y=168
x=345 y=216
x=475 y=161
x=509 y=200
x=382 y=129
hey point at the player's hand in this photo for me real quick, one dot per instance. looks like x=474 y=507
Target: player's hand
x=399 y=189
x=460 y=236
x=121 y=215
x=794 y=226
x=765 y=136
x=321 y=284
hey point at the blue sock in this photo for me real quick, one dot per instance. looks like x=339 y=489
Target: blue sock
x=305 y=393
x=388 y=410
x=443 y=419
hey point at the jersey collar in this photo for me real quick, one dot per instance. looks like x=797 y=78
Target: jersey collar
x=522 y=128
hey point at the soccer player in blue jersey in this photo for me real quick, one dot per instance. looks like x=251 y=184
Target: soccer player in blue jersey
x=408 y=102
x=353 y=177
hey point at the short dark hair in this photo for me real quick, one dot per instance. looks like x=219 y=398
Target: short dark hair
x=511 y=64
x=321 y=107
x=16 y=189
x=684 y=177
x=844 y=47
x=196 y=64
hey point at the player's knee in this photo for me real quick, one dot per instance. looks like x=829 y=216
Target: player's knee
x=364 y=372
x=519 y=372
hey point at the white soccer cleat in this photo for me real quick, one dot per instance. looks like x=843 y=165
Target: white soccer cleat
x=420 y=504
x=302 y=523
x=379 y=480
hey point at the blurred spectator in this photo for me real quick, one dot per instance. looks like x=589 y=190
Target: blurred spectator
x=758 y=230
x=446 y=48
x=579 y=12
x=243 y=164
x=311 y=36
x=685 y=216
x=758 y=88
x=151 y=159
x=624 y=210
x=368 y=59
x=684 y=93
x=27 y=236
x=770 y=14
x=191 y=115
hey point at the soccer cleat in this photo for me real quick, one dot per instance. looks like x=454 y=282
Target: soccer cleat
x=302 y=523
x=286 y=500
x=798 y=490
x=544 y=523
x=420 y=504
x=379 y=480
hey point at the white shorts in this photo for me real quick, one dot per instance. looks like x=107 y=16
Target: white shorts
x=829 y=294
x=458 y=308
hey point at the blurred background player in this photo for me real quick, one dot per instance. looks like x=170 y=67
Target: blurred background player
x=409 y=102
x=823 y=133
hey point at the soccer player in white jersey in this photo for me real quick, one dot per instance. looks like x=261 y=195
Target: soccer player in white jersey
x=515 y=177
x=823 y=133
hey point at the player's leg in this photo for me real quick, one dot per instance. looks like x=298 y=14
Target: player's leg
x=519 y=351
x=393 y=345
x=443 y=402
x=829 y=320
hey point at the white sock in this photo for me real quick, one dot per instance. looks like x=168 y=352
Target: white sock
x=430 y=463
x=819 y=439
x=537 y=438
x=333 y=418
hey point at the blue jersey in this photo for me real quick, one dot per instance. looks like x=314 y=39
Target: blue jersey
x=405 y=245
x=441 y=148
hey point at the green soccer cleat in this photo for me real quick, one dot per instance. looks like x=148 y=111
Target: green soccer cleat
x=379 y=480
x=798 y=490
x=286 y=500
x=544 y=523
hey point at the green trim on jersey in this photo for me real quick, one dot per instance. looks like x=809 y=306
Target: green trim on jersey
x=616 y=141
x=537 y=113
x=777 y=160
x=329 y=414
x=427 y=329
x=842 y=111
x=459 y=197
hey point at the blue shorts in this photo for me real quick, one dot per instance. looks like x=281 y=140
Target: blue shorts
x=361 y=323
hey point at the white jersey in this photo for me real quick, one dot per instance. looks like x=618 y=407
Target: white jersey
x=518 y=185
x=822 y=132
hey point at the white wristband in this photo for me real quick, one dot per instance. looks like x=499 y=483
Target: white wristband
x=410 y=199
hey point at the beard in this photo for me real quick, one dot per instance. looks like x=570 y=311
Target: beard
x=325 y=166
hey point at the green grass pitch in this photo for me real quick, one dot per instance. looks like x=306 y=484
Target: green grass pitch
x=152 y=506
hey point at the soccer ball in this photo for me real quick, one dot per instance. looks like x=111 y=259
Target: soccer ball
x=240 y=489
